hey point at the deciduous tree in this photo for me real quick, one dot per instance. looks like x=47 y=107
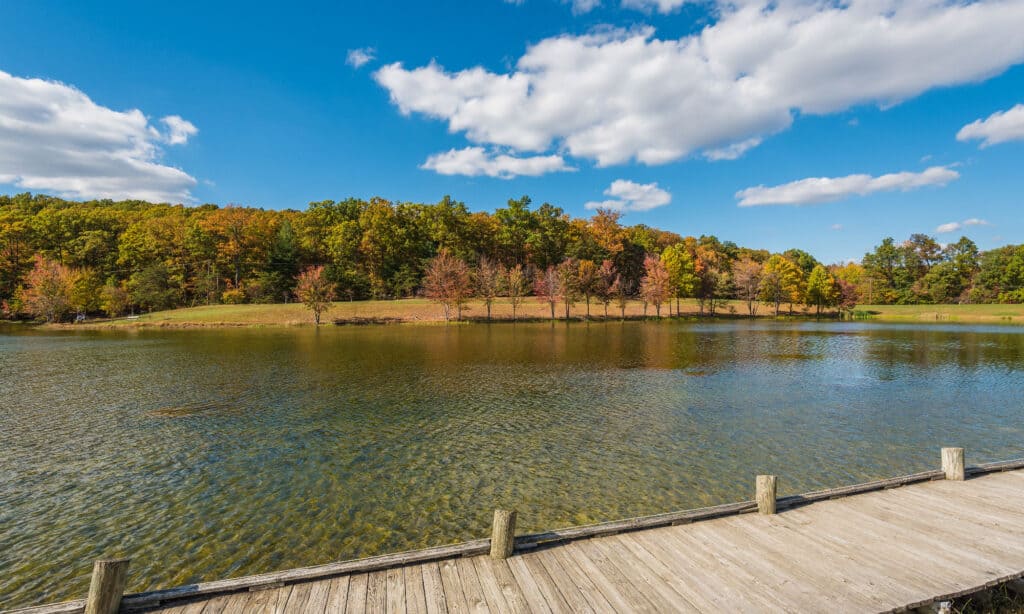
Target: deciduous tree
x=449 y=282
x=655 y=287
x=821 y=291
x=747 y=279
x=548 y=288
x=315 y=291
x=47 y=291
x=489 y=276
x=517 y=285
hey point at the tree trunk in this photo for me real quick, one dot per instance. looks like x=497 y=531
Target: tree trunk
x=552 y=303
x=488 y=311
x=588 y=306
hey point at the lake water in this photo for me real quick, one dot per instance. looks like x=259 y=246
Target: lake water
x=203 y=454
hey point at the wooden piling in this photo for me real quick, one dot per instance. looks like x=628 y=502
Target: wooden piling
x=765 y=494
x=503 y=534
x=953 y=463
x=109 y=578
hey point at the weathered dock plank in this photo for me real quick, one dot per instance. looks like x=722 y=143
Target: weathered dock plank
x=884 y=546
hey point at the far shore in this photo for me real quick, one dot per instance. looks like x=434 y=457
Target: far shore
x=423 y=311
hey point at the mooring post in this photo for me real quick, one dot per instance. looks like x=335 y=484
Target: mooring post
x=109 y=578
x=953 y=463
x=765 y=494
x=503 y=534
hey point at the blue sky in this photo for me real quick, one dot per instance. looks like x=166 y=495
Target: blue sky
x=596 y=102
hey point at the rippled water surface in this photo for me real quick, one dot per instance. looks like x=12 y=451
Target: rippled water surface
x=207 y=454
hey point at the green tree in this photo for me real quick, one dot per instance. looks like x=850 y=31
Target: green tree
x=780 y=281
x=679 y=263
x=821 y=289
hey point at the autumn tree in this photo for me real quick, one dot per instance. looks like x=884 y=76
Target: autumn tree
x=780 y=281
x=655 y=287
x=621 y=289
x=606 y=276
x=517 y=284
x=821 y=291
x=114 y=300
x=449 y=282
x=315 y=291
x=548 y=288
x=47 y=291
x=569 y=283
x=747 y=279
x=588 y=280
x=489 y=277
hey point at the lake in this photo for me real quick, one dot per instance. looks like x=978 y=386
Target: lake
x=203 y=454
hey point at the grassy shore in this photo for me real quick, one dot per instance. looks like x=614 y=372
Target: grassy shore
x=413 y=310
x=978 y=314
x=427 y=312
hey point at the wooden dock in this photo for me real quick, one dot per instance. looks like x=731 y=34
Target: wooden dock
x=890 y=545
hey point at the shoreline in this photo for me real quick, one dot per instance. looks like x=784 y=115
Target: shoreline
x=420 y=312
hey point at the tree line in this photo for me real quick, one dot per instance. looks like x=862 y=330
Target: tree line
x=59 y=258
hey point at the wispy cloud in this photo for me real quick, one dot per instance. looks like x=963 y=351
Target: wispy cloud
x=476 y=161
x=1000 y=127
x=825 y=189
x=630 y=196
x=55 y=138
x=579 y=7
x=662 y=6
x=955 y=226
x=357 y=58
x=732 y=152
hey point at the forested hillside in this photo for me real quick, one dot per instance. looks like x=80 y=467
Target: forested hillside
x=61 y=257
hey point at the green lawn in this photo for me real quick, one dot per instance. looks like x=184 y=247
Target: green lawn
x=944 y=313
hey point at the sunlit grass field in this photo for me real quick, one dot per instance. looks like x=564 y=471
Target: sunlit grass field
x=420 y=310
x=994 y=314
x=411 y=310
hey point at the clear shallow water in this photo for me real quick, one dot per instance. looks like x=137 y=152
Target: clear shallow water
x=207 y=454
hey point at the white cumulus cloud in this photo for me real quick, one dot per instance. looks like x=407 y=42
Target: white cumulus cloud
x=955 y=226
x=55 y=138
x=618 y=95
x=179 y=130
x=824 y=189
x=357 y=58
x=630 y=196
x=999 y=127
x=476 y=161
